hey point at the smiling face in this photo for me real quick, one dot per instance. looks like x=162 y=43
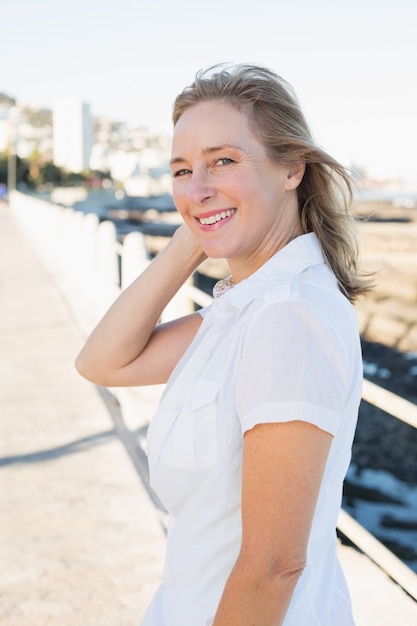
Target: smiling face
x=240 y=204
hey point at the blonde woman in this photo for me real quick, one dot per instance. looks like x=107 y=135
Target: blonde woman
x=251 y=442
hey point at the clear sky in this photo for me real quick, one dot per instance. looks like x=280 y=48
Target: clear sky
x=353 y=63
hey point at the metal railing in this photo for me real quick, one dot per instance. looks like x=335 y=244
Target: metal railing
x=93 y=267
x=406 y=412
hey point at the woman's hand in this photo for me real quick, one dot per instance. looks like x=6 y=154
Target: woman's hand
x=192 y=247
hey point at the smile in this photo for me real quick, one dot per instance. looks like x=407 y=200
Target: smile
x=217 y=217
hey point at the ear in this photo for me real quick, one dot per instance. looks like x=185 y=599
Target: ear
x=295 y=175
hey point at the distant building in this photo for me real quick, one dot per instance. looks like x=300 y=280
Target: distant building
x=72 y=134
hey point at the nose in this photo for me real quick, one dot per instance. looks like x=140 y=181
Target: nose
x=200 y=189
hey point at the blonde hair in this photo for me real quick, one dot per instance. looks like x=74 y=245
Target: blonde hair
x=325 y=193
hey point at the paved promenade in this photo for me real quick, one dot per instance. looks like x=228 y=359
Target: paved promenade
x=81 y=543
x=81 y=540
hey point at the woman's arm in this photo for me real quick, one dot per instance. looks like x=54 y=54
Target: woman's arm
x=283 y=465
x=127 y=347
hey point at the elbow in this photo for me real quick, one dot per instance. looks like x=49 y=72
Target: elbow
x=98 y=372
x=276 y=573
x=288 y=572
x=88 y=371
x=81 y=366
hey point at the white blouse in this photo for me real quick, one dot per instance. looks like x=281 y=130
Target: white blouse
x=281 y=345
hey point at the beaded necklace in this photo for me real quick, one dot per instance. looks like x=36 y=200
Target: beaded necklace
x=222 y=286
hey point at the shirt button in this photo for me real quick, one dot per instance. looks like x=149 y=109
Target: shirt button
x=223 y=305
x=205 y=354
x=188 y=403
x=172 y=405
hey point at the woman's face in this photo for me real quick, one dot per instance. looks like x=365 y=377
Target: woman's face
x=240 y=204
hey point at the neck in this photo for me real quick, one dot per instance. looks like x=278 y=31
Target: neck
x=245 y=267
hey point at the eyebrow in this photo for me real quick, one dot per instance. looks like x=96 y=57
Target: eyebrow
x=209 y=150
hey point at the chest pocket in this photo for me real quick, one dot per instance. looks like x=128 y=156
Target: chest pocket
x=192 y=441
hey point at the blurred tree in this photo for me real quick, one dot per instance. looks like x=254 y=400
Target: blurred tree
x=35 y=172
x=3 y=168
x=35 y=164
x=51 y=174
x=22 y=169
x=5 y=99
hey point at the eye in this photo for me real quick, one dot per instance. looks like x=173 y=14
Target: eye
x=224 y=161
x=180 y=173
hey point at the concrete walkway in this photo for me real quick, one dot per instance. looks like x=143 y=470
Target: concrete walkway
x=81 y=543
x=81 y=539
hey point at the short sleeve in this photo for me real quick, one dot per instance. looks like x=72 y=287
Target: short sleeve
x=293 y=367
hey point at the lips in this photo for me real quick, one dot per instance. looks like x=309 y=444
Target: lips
x=216 y=217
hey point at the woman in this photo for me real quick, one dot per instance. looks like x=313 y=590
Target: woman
x=252 y=439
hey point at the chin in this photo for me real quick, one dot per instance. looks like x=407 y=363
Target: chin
x=214 y=252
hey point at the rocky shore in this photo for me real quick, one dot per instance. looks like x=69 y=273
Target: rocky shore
x=389 y=249
x=388 y=326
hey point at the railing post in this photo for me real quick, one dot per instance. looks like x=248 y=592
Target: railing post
x=88 y=257
x=181 y=304
x=134 y=258
x=107 y=283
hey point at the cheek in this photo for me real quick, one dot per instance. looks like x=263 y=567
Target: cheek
x=179 y=199
x=182 y=206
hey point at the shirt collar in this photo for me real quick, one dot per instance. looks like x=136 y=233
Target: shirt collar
x=298 y=255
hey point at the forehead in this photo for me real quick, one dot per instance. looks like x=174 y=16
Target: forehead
x=212 y=123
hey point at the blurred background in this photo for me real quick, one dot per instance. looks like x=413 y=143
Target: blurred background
x=352 y=65
x=86 y=94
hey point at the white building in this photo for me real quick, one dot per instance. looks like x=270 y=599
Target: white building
x=72 y=134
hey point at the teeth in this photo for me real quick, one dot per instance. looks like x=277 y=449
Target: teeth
x=206 y=221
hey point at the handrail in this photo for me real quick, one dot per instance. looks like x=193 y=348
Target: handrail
x=389 y=402
x=378 y=553
x=198 y=296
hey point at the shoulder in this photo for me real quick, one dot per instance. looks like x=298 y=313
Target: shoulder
x=313 y=293
x=309 y=315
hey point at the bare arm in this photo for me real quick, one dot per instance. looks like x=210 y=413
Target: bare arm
x=283 y=466
x=127 y=347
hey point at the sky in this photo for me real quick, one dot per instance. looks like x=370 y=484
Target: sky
x=352 y=63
